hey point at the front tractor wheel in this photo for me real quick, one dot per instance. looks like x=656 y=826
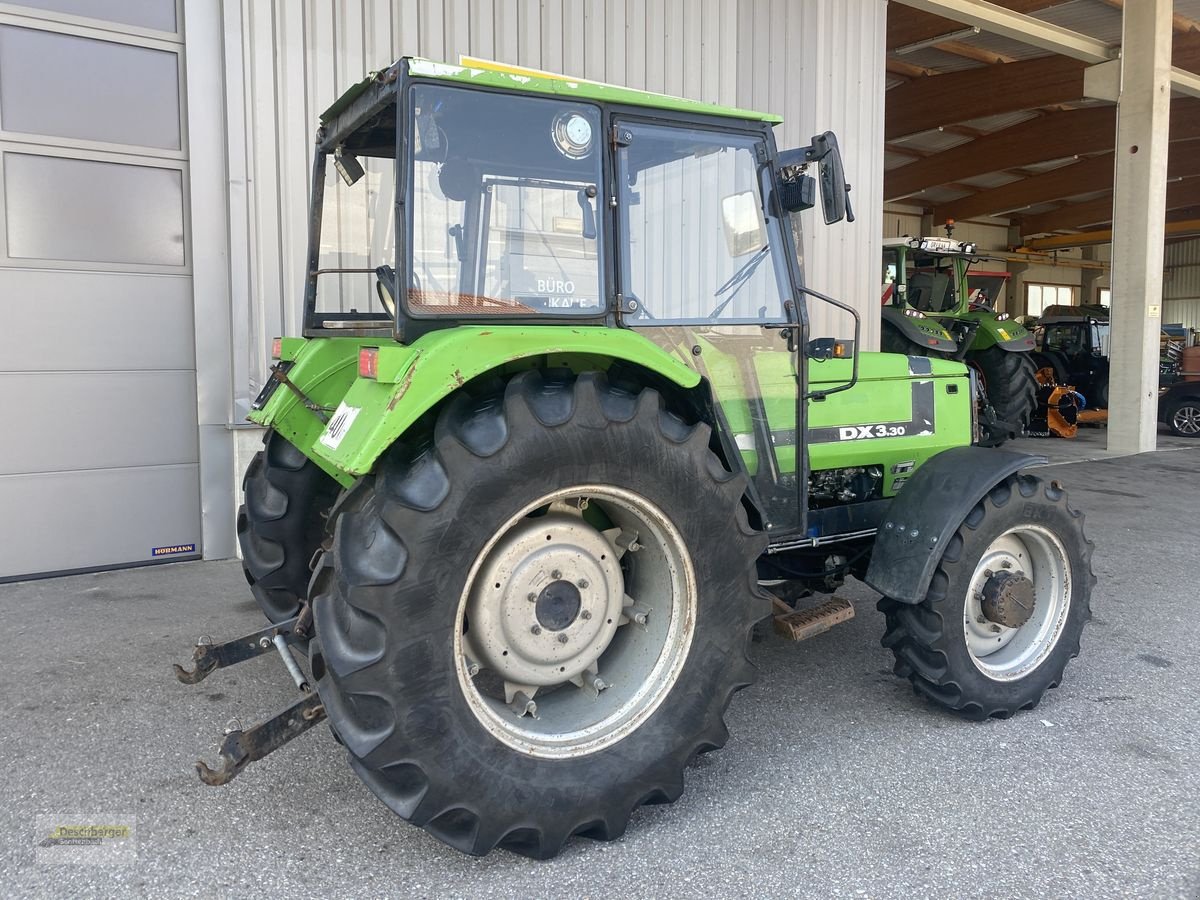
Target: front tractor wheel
x=531 y=620
x=1010 y=382
x=1006 y=606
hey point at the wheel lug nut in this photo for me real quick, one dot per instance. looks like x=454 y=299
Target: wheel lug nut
x=531 y=597
x=583 y=583
x=536 y=629
x=585 y=615
x=556 y=574
x=562 y=638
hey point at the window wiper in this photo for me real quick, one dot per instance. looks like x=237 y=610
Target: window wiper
x=739 y=278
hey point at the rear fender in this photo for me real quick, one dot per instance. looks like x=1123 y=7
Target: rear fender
x=927 y=512
x=412 y=379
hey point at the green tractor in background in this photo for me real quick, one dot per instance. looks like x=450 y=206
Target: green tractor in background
x=556 y=438
x=928 y=309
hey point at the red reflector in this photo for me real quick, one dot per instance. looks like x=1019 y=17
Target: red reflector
x=368 y=362
x=277 y=348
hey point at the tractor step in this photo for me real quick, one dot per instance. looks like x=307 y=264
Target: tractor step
x=798 y=624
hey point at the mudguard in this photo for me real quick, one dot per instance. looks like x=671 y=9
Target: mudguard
x=927 y=512
x=923 y=332
x=1007 y=335
x=360 y=417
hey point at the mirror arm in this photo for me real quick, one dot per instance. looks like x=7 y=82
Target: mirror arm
x=821 y=395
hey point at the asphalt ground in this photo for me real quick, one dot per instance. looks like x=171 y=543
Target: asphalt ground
x=837 y=781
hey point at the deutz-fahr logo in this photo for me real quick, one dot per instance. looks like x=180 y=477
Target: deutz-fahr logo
x=864 y=432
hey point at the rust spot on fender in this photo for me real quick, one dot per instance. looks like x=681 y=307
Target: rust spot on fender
x=402 y=388
x=457 y=378
x=485 y=333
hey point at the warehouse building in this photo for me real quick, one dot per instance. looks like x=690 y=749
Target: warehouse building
x=155 y=161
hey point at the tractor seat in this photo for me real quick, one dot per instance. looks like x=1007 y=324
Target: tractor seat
x=929 y=291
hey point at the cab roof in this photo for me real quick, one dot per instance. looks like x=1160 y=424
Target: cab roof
x=485 y=73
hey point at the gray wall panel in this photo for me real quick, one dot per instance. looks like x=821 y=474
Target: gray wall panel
x=69 y=520
x=156 y=14
x=91 y=211
x=41 y=91
x=108 y=320
x=93 y=420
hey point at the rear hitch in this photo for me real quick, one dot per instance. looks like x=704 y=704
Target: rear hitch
x=208 y=657
x=242 y=747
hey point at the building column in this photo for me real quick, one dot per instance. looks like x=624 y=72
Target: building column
x=1139 y=208
x=211 y=274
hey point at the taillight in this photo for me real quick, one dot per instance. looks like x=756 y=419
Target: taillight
x=368 y=362
x=277 y=348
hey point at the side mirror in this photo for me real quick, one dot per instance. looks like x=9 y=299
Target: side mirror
x=835 y=193
x=744 y=231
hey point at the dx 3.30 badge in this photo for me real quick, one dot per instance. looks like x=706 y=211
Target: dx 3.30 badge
x=865 y=432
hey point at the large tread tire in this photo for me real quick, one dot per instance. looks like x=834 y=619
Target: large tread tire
x=1010 y=380
x=387 y=596
x=281 y=523
x=892 y=340
x=928 y=639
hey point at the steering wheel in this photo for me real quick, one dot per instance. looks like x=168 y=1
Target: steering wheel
x=385 y=277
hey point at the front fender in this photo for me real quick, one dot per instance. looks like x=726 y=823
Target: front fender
x=927 y=512
x=413 y=378
x=924 y=332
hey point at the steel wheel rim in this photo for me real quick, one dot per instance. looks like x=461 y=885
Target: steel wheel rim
x=627 y=609
x=1007 y=654
x=1187 y=420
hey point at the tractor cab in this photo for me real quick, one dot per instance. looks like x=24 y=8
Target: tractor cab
x=532 y=207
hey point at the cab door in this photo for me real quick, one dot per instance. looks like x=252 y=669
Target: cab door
x=703 y=271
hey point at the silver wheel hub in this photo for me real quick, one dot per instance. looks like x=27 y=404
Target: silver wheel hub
x=575 y=621
x=1017 y=602
x=546 y=602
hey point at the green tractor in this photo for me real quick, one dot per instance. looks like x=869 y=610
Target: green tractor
x=555 y=433
x=928 y=308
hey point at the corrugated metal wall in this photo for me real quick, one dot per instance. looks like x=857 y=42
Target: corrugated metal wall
x=817 y=62
x=1181 y=270
x=820 y=64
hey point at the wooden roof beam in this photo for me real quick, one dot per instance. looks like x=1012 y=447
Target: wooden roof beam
x=1055 y=135
x=910 y=26
x=1089 y=174
x=1180 y=194
x=1175 y=229
x=941 y=100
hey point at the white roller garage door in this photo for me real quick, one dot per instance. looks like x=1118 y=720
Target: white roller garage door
x=99 y=460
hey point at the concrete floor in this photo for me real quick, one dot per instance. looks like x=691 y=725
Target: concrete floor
x=837 y=781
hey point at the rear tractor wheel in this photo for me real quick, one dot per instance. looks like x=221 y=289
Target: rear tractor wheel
x=534 y=618
x=1010 y=381
x=1006 y=607
x=280 y=524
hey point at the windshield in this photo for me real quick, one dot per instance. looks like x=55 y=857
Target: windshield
x=504 y=205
